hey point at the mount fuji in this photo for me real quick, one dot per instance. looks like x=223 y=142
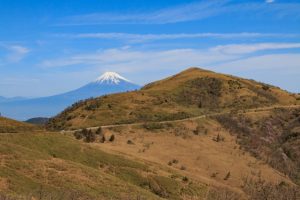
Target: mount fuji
x=108 y=83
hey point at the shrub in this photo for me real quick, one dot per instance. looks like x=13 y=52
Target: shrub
x=175 y=161
x=99 y=131
x=78 y=135
x=87 y=135
x=129 y=142
x=112 y=138
x=260 y=190
x=202 y=92
x=265 y=87
x=182 y=168
x=185 y=179
x=90 y=136
x=102 y=140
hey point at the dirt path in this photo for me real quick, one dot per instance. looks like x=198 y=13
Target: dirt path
x=261 y=109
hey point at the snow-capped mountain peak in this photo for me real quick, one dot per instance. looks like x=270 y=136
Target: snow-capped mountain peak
x=111 y=78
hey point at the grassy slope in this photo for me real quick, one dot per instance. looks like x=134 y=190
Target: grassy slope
x=12 y=126
x=54 y=166
x=273 y=136
x=191 y=144
x=189 y=93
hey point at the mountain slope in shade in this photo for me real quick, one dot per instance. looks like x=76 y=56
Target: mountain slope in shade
x=192 y=92
x=108 y=83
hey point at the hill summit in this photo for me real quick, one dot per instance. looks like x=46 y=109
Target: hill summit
x=192 y=92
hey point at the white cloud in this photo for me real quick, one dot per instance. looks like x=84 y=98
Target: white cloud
x=148 y=37
x=187 y=12
x=12 y=53
x=134 y=64
x=270 y=1
x=278 y=69
x=144 y=59
x=127 y=57
x=251 y=48
x=15 y=53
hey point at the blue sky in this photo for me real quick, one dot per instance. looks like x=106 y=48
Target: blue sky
x=49 y=47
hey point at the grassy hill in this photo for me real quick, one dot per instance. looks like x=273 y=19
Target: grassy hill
x=55 y=166
x=12 y=126
x=196 y=159
x=190 y=93
x=248 y=149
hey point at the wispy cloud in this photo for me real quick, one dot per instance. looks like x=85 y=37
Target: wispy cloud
x=251 y=48
x=14 y=53
x=150 y=37
x=270 y=1
x=127 y=56
x=278 y=69
x=17 y=53
x=158 y=64
x=188 y=12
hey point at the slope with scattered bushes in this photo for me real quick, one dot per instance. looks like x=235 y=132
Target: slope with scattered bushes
x=56 y=166
x=190 y=93
x=273 y=137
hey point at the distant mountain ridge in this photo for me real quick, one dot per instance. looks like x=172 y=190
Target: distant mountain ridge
x=108 y=83
x=38 y=120
x=9 y=99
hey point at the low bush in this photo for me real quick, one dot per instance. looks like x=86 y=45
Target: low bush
x=112 y=138
x=85 y=134
x=130 y=142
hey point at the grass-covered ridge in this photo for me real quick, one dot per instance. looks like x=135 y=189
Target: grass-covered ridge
x=55 y=165
x=190 y=93
x=12 y=126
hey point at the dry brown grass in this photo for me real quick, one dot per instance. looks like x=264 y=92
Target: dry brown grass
x=189 y=93
x=13 y=126
x=199 y=154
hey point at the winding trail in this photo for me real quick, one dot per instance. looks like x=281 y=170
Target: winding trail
x=253 y=110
